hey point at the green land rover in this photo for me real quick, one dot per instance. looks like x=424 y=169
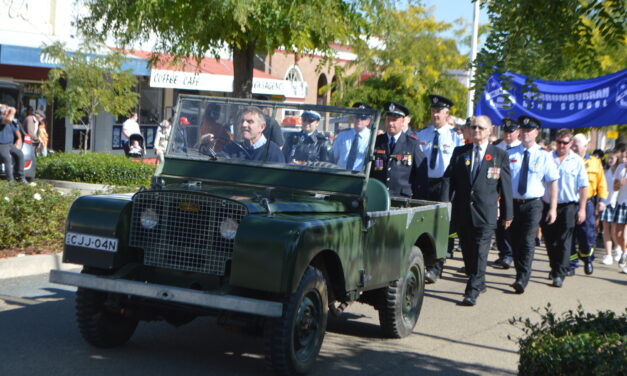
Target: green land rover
x=235 y=227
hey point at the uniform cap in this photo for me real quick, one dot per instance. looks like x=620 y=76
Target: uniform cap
x=528 y=122
x=310 y=116
x=362 y=106
x=396 y=109
x=510 y=125
x=438 y=101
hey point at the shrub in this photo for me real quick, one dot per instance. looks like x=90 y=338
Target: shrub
x=577 y=343
x=100 y=168
x=32 y=216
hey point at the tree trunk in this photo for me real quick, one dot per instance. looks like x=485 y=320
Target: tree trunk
x=243 y=59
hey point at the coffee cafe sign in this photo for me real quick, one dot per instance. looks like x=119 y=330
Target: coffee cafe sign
x=216 y=82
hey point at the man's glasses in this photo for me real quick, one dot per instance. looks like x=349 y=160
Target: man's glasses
x=563 y=142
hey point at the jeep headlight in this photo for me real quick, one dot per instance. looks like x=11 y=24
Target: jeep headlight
x=228 y=228
x=149 y=219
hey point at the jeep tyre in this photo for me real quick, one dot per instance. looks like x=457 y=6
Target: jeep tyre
x=293 y=341
x=402 y=299
x=99 y=326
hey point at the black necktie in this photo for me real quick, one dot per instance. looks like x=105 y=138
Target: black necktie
x=524 y=171
x=352 y=154
x=392 y=144
x=476 y=162
x=434 y=150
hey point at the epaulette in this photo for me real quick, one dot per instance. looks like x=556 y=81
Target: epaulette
x=412 y=136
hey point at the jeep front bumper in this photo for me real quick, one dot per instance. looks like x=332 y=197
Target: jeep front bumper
x=168 y=293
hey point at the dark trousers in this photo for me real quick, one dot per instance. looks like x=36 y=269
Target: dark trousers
x=475 y=243
x=585 y=236
x=503 y=243
x=558 y=237
x=13 y=160
x=523 y=234
x=435 y=189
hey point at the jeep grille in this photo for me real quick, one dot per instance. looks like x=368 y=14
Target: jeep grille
x=187 y=235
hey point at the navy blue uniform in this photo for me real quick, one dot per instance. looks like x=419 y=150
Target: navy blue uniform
x=307 y=148
x=402 y=170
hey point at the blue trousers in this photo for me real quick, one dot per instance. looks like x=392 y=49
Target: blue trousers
x=584 y=238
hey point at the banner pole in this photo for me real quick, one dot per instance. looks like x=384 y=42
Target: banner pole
x=473 y=57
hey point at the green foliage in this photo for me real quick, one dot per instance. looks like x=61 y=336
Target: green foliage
x=87 y=82
x=99 y=168
x=413 y=63
x=578 y=343
x=554 y=39
x=32 y=215
x=192 y=28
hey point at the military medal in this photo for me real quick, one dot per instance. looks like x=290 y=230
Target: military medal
x=494 y=172
x=467 y=161
x=378 y=164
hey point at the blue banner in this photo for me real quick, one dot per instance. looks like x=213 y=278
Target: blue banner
x=596 y=102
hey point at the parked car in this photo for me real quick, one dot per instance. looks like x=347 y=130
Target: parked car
x=272 y=245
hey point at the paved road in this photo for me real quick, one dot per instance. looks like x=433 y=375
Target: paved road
x=39 y=336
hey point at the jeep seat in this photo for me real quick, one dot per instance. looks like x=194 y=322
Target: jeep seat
x=377 y=196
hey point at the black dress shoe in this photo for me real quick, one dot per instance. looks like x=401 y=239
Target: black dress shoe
x=570 y=272
x=518 y=287
x=557 y=282
x=502 y=264
x=430 y=277
x=587 y=267
x=469 y=301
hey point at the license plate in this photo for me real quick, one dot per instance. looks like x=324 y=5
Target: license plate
x=93 y=242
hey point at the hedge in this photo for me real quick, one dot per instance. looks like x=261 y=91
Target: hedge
x=577 y=343
x=99 y=168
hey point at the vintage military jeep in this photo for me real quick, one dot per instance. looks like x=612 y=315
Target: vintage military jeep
x=223 y=231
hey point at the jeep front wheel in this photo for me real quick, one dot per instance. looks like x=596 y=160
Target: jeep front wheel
x=100 y=325
x=294 y=340
x=402 y=299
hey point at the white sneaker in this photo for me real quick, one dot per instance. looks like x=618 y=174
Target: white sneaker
x=623 y=269
x=622 y=263
x=617 y=254
x=607 y=260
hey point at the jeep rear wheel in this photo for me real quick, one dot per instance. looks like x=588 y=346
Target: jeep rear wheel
x=294 y=340
x=99 y=325
x=402 y=299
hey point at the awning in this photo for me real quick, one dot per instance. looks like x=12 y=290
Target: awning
x=216 y=75
x=32 y=57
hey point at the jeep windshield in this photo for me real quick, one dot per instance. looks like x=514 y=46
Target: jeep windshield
x=273 y=134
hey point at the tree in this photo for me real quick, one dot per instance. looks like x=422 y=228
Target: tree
x=87 y=82
x=413 y=62
x=553 y=39
x=195 y=27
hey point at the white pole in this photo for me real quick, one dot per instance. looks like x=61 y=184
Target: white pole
x=473 y=56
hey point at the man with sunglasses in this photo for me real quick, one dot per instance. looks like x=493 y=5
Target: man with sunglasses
x=533 y=174
x=479 y=182
x=571 y=206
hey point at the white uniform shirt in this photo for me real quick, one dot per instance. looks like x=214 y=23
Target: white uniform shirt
x=342 y=146
x=542 y=169
x=503 y=145
x=448 y=140
x=573 y=176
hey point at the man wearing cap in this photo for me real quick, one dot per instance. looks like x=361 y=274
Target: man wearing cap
x=478 y=181
x=308 y=145
x=584 y=234
x=254 y=145
x=398 y=162
x=571 y=206
x=511 y=131
x=350 y=145
x=533 y=173
x=437 y=141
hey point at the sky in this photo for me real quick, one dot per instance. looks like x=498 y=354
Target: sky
x=450 y=10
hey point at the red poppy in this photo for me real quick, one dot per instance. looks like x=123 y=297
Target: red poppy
x=488 y=157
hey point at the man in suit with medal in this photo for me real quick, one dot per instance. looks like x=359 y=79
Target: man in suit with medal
x=398 y=161
x=478 y=181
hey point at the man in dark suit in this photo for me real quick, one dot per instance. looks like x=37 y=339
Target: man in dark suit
x=398 y=161
x=478 y=182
